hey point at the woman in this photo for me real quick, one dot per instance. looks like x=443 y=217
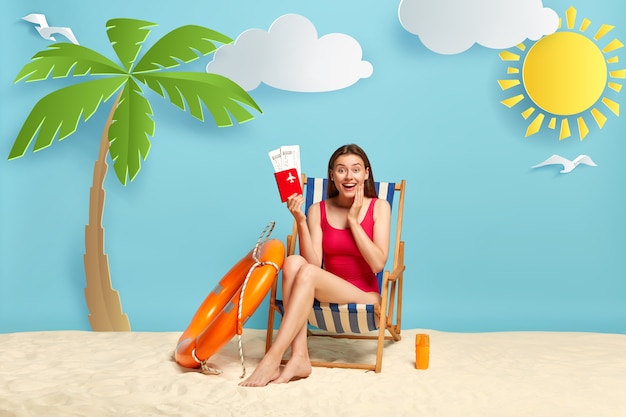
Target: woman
x=349 y=231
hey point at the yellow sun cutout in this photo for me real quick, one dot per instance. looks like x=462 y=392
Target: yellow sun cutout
x=564 y=75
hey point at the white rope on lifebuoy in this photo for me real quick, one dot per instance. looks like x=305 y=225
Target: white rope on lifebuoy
x=204 y=365
x=255 y=255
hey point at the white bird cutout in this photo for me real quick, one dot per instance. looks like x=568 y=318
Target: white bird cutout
x=46 y=31
x=568 y=166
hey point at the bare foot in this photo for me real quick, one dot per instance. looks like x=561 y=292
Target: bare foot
x=298 y=367
x=263 y=374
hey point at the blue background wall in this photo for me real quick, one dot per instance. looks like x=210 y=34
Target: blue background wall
x=491 y=243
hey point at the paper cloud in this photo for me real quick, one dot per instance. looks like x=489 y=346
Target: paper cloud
x=290 y=56
x=453 y=26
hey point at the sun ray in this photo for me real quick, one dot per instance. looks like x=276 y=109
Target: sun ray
x=565 y=131
x=598 y=117
x=604 y=29
x=509 y=56
x=552 y=123
x=528 y=112
x=585 y=24
x=613 y=106
x=615 y=86
x=613 y=60
x=570 y=14
x=506 y=84
x=583 y=130
x=618 y=74
x=521 y=46
x=535 y=125
x=512 y=70
x=512 y=101
x=612 y=46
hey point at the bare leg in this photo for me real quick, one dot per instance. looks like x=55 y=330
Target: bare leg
x=292 y=330
x=292 y=324
x=308 y=282
x=299 y=364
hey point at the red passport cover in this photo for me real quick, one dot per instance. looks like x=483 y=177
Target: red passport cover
x=288 y=183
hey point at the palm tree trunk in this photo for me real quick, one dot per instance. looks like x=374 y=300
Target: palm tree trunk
x=103 y=301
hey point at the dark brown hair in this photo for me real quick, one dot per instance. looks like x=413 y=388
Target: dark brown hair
x=351 y=149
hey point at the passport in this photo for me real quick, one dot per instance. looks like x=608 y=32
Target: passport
x=288 y=183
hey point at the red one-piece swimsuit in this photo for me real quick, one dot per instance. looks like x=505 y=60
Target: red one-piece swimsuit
x=342 y=256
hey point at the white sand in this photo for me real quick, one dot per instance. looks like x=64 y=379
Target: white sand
x=72 y=373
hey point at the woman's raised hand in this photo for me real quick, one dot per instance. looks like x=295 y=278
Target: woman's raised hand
x=355 y=208
x=294 y=204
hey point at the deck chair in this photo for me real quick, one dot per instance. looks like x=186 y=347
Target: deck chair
x=355 y=321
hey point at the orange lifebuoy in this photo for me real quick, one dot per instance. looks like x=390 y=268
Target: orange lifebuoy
x=216 y=322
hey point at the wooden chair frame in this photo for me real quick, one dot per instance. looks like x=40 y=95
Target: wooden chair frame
x=390 y=308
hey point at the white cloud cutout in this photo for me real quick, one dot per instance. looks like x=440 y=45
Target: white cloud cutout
x=290 y=56
x=453 y=26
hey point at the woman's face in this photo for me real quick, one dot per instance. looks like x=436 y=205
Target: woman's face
x=348 y=172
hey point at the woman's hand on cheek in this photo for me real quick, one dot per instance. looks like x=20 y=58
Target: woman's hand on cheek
x=357 y=203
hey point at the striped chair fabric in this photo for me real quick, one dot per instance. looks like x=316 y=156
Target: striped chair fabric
x=343 y=318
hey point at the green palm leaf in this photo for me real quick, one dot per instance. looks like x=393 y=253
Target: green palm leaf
x=181 y=44
x=60 y=111
x=192 y=89
x=127 y=36
x=128 y=135
x=62 y=58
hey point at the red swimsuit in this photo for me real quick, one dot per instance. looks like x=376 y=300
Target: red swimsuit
x=341 y=254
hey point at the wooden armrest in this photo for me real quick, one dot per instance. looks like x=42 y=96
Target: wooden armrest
x=291 y=244
x=395 y=274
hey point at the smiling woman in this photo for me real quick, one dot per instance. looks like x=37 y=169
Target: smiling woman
x=565 y=74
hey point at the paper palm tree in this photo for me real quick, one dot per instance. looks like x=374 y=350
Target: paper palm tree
x=129 y=126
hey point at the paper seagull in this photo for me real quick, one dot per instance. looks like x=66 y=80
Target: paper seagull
x=568 y=166
x=46 y=31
